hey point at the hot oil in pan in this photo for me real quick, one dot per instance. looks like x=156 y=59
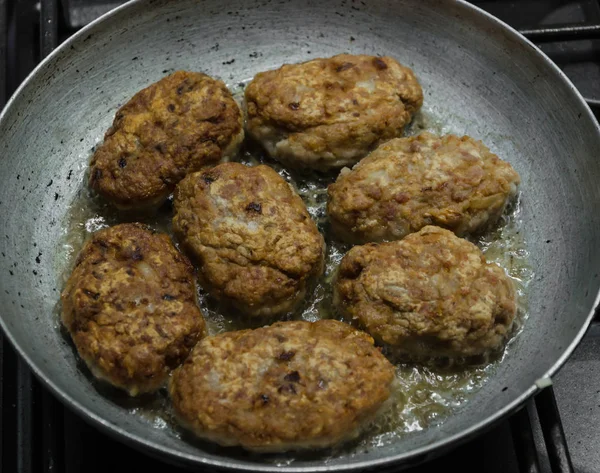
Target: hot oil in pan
x=424 y=395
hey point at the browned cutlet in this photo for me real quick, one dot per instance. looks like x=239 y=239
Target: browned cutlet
x=429 y=295
x=180 y=124
x=330 y=112
x=288 y=386
x=130 y=307
x=256 y=245
x=408 y=183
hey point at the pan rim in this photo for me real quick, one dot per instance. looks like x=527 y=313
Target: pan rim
x=172 y=455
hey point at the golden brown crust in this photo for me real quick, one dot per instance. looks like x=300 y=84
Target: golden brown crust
x=180 y=124
x=291 y=385
x=331 y=112
x=429 y=295
x=254 y=240
x=408 y=183
x=130 y=307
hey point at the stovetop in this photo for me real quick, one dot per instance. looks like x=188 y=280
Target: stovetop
x=38 y=434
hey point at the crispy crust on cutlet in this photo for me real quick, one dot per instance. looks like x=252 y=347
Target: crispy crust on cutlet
x=287 y=386
x=431 y=294
x=330 y=112
x=130 y=307
x=180 y=124
x=408 y=183
x=256 y=245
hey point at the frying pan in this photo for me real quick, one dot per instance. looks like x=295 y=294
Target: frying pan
x=480 y=77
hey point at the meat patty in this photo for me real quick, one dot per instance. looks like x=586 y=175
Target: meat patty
x=182 y=123
x=408 y=183
x=288 y=386
x=430 y=295
x=254 y=240
x=328 y=113
x=130 y=307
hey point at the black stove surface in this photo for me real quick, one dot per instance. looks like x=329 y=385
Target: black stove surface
x=38 y=434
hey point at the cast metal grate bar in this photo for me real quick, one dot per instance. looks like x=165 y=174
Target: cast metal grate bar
x=552 y=429
x=523 y=441
x=3 y=95
x=52 y=433
x=73 y=443
x=3 y=58
x=562 y=33
x=566 y=33
x=8 y=408
x=2 y=380
x=48 y=26
x=594 y=103
x=25 y=408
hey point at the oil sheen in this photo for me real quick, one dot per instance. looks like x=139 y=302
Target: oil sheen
x=423 y=395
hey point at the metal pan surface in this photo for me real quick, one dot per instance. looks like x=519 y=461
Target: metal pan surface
x=480 y=78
